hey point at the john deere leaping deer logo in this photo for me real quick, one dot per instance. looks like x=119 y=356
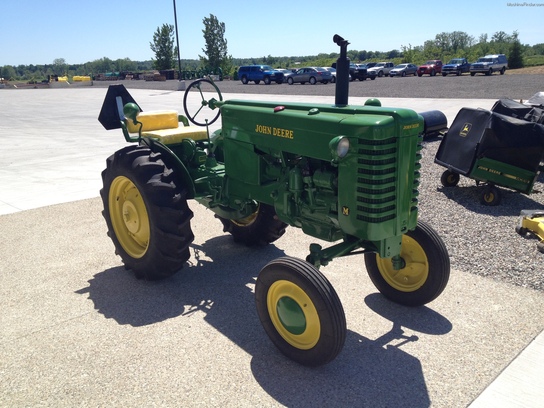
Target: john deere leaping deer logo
x=466 y=129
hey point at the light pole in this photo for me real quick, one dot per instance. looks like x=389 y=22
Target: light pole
x=177 y=43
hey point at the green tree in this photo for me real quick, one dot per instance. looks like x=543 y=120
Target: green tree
x=408 y=53
x=163 y=47
x=59 y=66
x=215 y=51
x=8 y=72
x=515 y=59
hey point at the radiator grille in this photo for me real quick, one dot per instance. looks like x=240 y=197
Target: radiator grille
x=377 y=185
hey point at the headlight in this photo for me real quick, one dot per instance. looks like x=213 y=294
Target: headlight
x=339 y=147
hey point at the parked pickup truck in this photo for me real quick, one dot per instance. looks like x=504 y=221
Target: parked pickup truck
x=489 y=64
x=456 y=66
x=360 y=72
x=382 y=68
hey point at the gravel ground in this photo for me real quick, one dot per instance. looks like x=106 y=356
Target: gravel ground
x=481 y=239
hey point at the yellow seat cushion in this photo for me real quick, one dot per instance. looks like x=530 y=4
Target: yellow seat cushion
x=172 y=136
x=154 y=120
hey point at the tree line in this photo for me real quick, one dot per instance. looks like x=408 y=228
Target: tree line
x=444 y=46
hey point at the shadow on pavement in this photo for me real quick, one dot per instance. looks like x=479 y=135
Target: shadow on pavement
x=367 y=372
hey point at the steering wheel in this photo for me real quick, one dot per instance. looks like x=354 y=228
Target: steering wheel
x=202 y=95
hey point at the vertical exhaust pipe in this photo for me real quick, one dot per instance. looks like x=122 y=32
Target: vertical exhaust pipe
x=342 y=73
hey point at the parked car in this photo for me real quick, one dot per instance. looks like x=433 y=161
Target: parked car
x=403 y=70
x=489 y=64
x=382 y=68
x=333 y=73
x=286 y=73
x=431 y=67
x=313 y=75
x=258 y=73
x=456 y=66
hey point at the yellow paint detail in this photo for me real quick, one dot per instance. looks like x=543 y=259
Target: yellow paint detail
x=154 y=120
x=412 y=126
x=466 y=129
x=312 y=333
x=129 y=218
x=413 y=275
x=274 y=131
x=164 y=126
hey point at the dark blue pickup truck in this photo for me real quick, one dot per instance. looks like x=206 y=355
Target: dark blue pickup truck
x=258 y=73
x=456 y=66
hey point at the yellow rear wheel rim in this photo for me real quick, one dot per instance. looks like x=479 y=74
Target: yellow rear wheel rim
x=129 y=217
x=415 y=272
x=244 y=222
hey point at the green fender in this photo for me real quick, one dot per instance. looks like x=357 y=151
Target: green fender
x=179 y=168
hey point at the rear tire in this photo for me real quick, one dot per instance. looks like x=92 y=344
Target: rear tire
x=300 y=311
x=146 y=212
x=260 y=228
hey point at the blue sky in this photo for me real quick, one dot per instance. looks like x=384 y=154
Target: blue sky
x=38 y=32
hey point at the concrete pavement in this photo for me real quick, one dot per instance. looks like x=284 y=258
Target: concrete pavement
x=77 y=329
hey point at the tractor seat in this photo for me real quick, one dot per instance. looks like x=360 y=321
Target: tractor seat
x=164 y=126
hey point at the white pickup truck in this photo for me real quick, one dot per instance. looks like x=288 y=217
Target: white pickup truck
x=382 y=68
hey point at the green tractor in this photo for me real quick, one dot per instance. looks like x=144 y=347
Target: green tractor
x=345 y=174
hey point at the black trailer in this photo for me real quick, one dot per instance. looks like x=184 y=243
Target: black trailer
x=502 y=147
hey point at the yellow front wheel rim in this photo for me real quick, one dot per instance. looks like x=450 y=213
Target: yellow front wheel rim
x=293 y=314
x=129 y=217
x=416 y=270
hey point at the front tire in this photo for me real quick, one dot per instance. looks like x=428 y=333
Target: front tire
x=146 y=213
x=425 y=274
x=300 y=311
x=260 y=228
